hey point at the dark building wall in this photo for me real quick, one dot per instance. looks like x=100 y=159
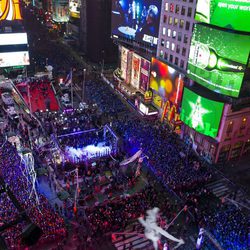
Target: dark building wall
x=99 y=43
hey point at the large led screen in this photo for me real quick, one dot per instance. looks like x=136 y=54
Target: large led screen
x=217 y=59
x=14 y=59
x=136 y=20
x=145 y=71
x=135 y=74
x=200 y=113
x=166 y=82
x=74 y=8
x=230 y=14
x=60 y=11
x=10 y=10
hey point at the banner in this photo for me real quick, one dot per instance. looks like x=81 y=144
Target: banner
x=129 y=67
x=145 y=71
x=136 y=65
x=131 y=159
x=124 y=61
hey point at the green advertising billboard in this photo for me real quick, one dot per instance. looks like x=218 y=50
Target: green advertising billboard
x=230 y=14
x=200 y=113
x=217 y=59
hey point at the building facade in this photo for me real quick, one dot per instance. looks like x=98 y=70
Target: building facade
x=175 y=32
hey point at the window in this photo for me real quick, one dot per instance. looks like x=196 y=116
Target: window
x=184 y=50
x=185 y=40
x=177 y=9
x=181 y=23
x=171 y=7
x=166 y=6
x=176 y=61
x=179 y=36
x=169 y=32
x=230 y=128
x=243 y=124
x=171 y=58
x=191 y=1
x=174 y=34
x=182 y=64
x=183 y=11
x=170 y=20
x=164 y=31
x=172 y=46
x=166 y=56
x=176 y=21
x=161 y=53
x=167 y=44
x=165 y=18
x=189 y=14
x=178 y=49
x=162 y=42
x=187 y=25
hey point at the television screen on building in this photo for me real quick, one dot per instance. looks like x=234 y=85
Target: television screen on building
x=18 y=58
x=135 y=74
x=60 y=11
x=74 y=8
x=10 y=10
x=200 y=113
x=14 y=49
x=230 y=14
x=145 y=71
x=166 y=82
x=136 y=20
x=12 y=39
x=217 y=59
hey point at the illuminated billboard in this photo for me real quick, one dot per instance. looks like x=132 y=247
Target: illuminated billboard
x=166 y=82
x=129 y=67
x=60 y=11
x=13 y=38
x=10 y=10
x=200 y=113
x=124 y=61
x=74 y=8
x=136 y=20
x=18 y=58
x=230 y=14
x=145 y=71
x=135 y=74
x=217 y=59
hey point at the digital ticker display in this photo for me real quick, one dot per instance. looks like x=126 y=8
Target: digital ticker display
x=230 y=14
x=136 y=20
x=218 y=59
x=200 y=113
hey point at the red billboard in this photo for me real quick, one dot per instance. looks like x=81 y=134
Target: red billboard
x=145 y=71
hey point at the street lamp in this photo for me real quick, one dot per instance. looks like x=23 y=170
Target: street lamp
x=102 y=60
x=83 y=84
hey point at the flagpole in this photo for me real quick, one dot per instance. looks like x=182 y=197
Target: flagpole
x=72 y=94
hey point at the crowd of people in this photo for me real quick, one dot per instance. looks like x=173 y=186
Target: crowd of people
x=14 y=173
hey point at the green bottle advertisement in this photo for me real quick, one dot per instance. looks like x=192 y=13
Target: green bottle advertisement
x=207 y=58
